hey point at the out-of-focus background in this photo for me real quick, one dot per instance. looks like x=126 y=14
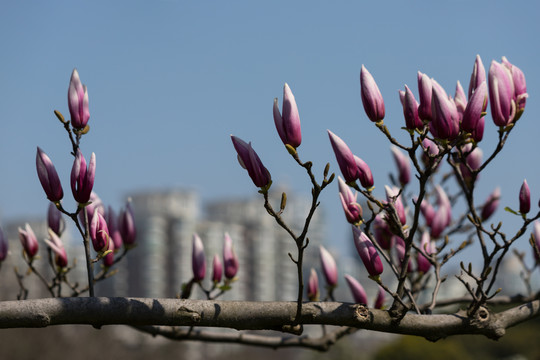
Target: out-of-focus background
x=169 y=81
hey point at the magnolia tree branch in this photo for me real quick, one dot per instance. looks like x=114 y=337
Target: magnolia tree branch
x=241 y=315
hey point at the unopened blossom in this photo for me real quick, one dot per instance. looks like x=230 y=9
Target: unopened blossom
x=4 y=246
x=400 y=252
x=439 y=222
x=426 y=245
x=353 y=210
x=520 y=86
x=229 y=258
x=524 y=198
x=56 y=245
x=501 y=94
x=427 y=211
x=478 y=76
x=114 y=229
x=381 y=297
x=126 y=224
x=425 y=93
x=475 y=112
x=357 y=290
x=403 y=165
x=55 y=221
x=460 y=99
x=288 y=121
x=313 y=286
x=108 y=260
x=78 y=102
x=217 y=269
x=431 y=149
x=368 y=252
x=410 y=110
x=491 y=204
x=198 y=259
x=29 y=241
x=249 y=160
x=445 y=117
x=99 y=232
x=443 y=201
x=345 y=158
x=393 y=196
x=473 y=161
x=382 y=232
x=48 y=177
x=82 y=178
x=364 y=173
x=371 y=96
x=329 y=267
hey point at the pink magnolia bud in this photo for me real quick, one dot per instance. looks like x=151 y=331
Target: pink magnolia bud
x=4 y=246
x=368 y=252
x=99 y=232
x=114 y=229
x=427 y=211
x=410 y=110
x=520 y=86
x=249 y=160
x=353 y=210
x=491 y=204
x=48 y=177
x=524 y=198
x=56 y=245
x=382 y=232
x=403 y=165
x=460 y=99
x=345 y=158
x=313 y=286
x=288 y=123
x=329 y=267
x=439 y=222
x=198 y=259
x=425 y=93
x=400 y=252
x=108 y=260
x=28 y=241
x=217 y=269
x=423 y=264
x=364 y=173
x=478 y=76
x=357 y=290
x=126 y=224
x=229 y=258
x=78 y=102
x=445 y=117
x=429 y=148
x=54 y=219
x=473 y=159
x=82 y=179
x=392 y=197
x=475 y=112
x=443 y=201
x=501 y=94
x=95 y=204
x=371 y=96
x=381 y=297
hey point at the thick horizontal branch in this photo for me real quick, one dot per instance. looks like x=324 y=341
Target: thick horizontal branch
x=243 y=315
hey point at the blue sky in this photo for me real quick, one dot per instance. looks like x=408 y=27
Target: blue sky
x=169 y=81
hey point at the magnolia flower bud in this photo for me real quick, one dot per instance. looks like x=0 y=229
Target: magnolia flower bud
x=288 y=123
x=329 y=267
x=48 y=177
x=357 y=290
x=229 y=258
x=198 y=259
x=403 y=165
x=524 y=198
x=491 y=204
x=56 y=245
x=249 y=160
x=371 y=96
x=217 y=269
x=313 y=286
x=425 y=93
x=82 y=179
x=345 y=158
x=353 y=210
x=29 y=241
x=78 y=102
x=368 y=252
